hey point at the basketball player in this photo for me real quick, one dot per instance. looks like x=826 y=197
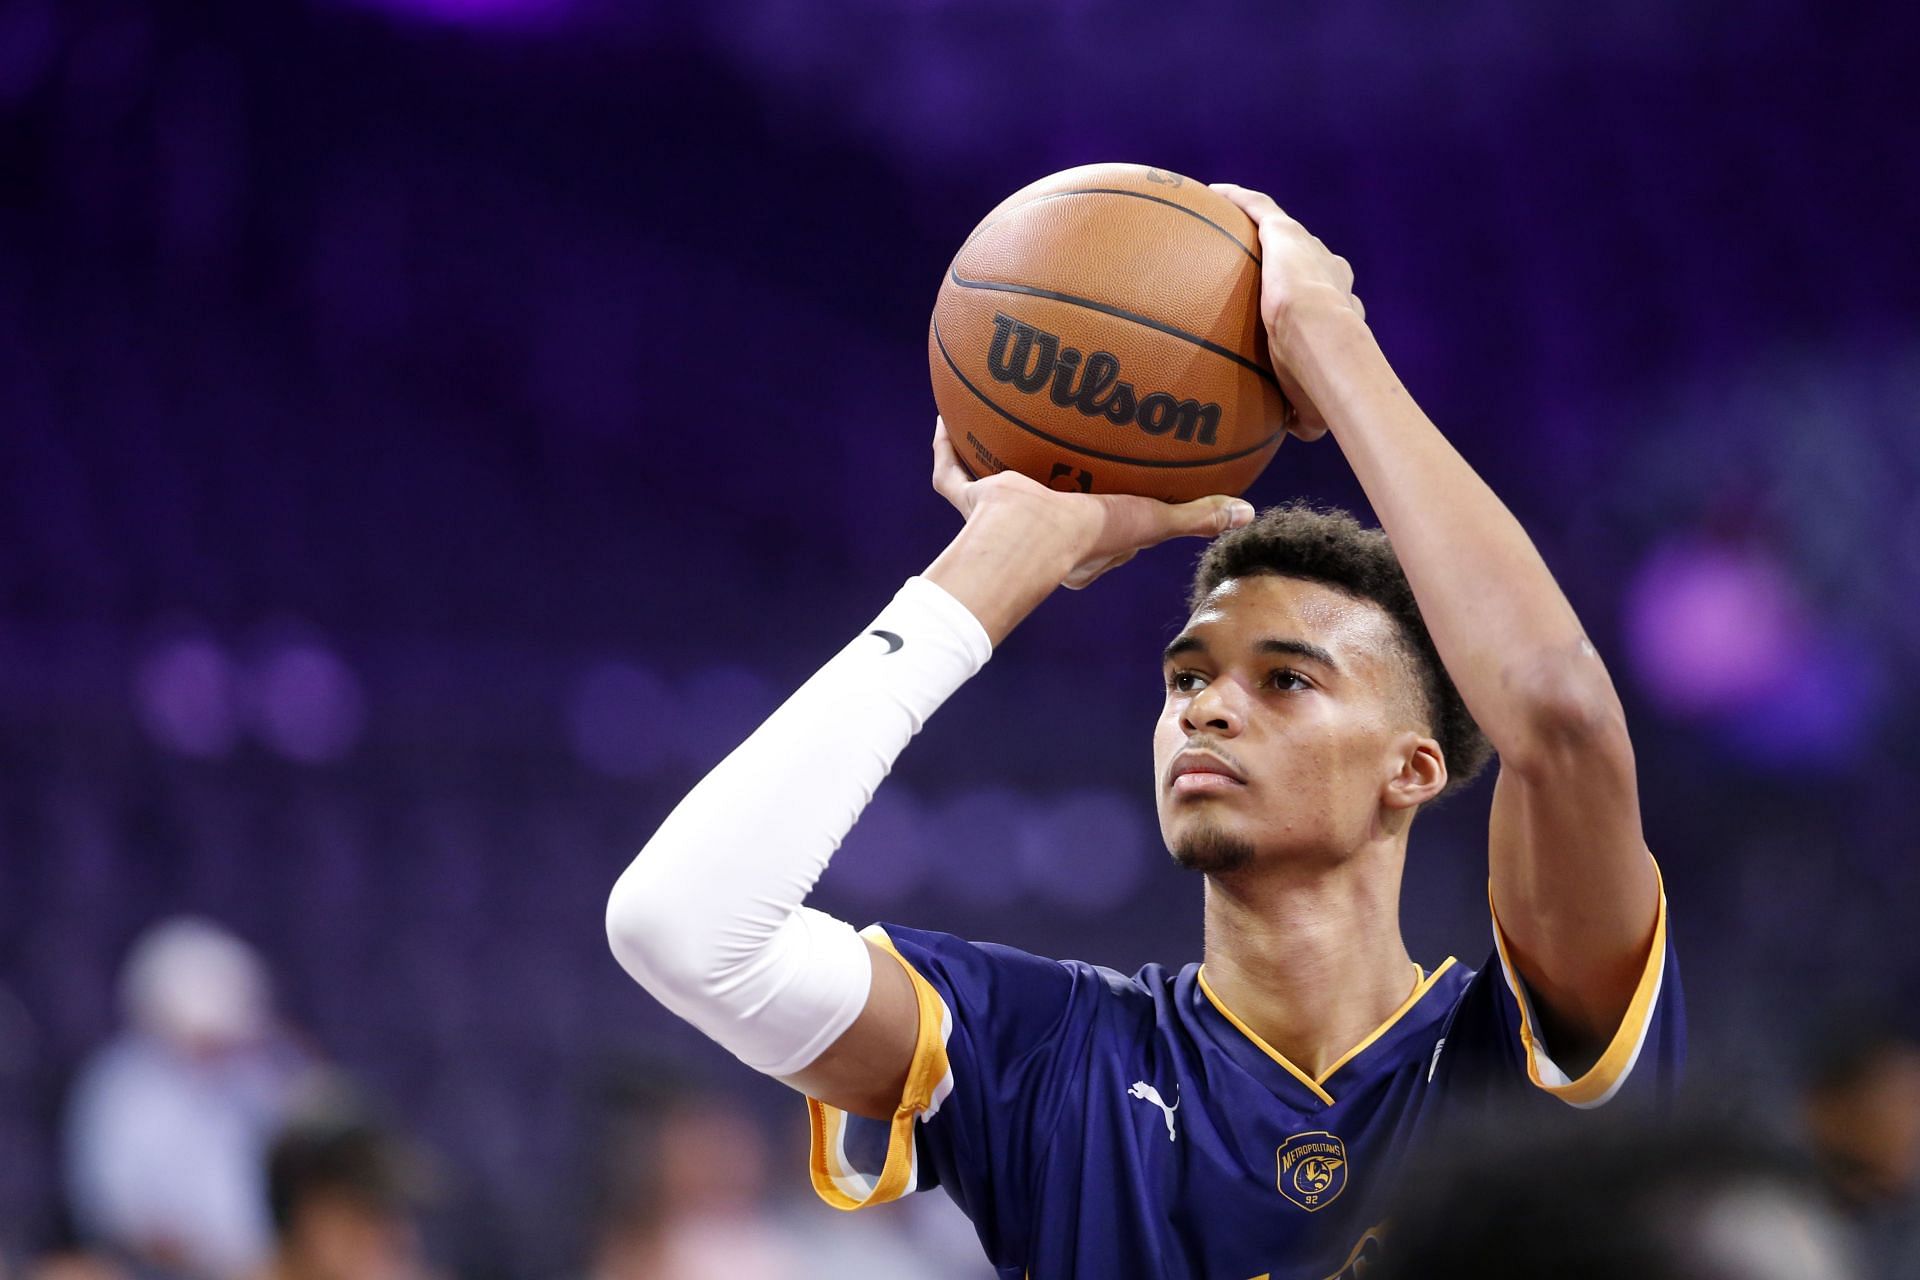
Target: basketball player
x=1242 y=1117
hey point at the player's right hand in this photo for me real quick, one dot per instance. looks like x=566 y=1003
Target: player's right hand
x=1300 y=279
x=1083 y=534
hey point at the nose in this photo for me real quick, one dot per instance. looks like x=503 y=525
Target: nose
x=1215 y=708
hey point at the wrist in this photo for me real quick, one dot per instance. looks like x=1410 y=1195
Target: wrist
x=1002 y=564
x=1313 y=335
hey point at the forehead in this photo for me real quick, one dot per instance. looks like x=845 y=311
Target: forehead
x=1358 y=633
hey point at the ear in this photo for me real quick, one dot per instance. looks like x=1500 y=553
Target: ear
x=1422 y=774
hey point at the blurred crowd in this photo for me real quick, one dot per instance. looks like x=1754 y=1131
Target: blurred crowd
x=208 y=1140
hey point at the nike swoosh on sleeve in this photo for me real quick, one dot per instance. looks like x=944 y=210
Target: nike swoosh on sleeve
x=893 y=641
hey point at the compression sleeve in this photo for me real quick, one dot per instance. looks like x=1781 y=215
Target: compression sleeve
x=708 y=918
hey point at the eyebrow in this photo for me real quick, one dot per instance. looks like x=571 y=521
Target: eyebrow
x=1190 y=643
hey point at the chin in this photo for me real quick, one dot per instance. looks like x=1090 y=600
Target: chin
x=1210 y=848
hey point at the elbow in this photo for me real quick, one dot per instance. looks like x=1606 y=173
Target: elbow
x=648 y=930
x=1567 y=717
x=631 y=912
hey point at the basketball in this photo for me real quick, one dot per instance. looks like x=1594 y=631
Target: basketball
x=1100 y=331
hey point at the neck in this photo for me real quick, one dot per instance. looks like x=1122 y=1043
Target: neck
x=1309 y=955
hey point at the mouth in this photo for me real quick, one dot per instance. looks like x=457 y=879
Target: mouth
x=1202 y=773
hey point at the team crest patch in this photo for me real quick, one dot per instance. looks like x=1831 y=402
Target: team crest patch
x=1313 y=1169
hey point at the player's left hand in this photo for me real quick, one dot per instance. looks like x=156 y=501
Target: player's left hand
x=1299 y=277
x=1076 y=537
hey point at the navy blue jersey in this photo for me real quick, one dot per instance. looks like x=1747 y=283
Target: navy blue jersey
x=1096 y=1125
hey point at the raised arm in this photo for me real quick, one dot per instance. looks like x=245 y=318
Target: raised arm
x=1573 y=885
x=709 y=916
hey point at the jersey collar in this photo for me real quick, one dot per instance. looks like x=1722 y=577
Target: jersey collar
x=1293 y=1083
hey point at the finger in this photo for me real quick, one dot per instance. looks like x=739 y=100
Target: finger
x=1359 y=307
x=1257 y=205
x=1204 y=517
x=948 y=476
x=1252 y=204
x=1307 y=431
x=1283 y=240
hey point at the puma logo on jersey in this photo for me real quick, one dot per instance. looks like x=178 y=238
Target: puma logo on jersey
x=1147 y=1093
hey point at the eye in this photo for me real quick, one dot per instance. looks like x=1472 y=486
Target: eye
x=1185 y=681
x=1287 y=680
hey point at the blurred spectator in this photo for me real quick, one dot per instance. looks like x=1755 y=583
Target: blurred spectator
x=681 y=1178
x=682 y=1182
x=1614 y=1201
x=1861 y=1112
x=168 y=1123
x=344 y=1194
x=55 y=1252
x=918 y=1238
x=72 y=1264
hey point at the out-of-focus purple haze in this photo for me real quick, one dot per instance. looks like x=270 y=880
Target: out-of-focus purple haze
x=434 y=431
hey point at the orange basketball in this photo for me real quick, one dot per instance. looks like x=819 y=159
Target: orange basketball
x=1100 y=331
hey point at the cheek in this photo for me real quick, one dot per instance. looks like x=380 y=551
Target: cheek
x=1334 y=754
x=1168 y=741
x=1365 y=758
x=1168 y=736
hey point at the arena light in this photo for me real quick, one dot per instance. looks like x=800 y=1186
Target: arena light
x=1722 y=635
x=477 y=13
x=303 y=701
x=1822 y=716
x=1711 y=628
x=185 y=698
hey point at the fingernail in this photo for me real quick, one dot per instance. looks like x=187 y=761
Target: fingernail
x=1239 y=513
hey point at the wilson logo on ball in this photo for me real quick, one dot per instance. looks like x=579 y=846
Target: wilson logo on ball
x=1029 y=359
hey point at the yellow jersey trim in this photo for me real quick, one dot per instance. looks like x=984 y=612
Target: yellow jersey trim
x=1604 y=1078
x=929 y=1077
x=1311 y=1084
x=1316 y=1084
x=1421 y=987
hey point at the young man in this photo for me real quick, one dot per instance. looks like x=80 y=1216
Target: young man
x=1243 y=1117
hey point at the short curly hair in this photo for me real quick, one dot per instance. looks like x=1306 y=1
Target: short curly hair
x=1329 y=546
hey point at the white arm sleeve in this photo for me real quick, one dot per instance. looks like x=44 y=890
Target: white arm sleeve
x=708 y=916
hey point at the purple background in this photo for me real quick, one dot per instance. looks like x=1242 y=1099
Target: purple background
x=433 y=431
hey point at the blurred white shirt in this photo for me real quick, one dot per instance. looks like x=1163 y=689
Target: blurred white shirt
x=167 y=1149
